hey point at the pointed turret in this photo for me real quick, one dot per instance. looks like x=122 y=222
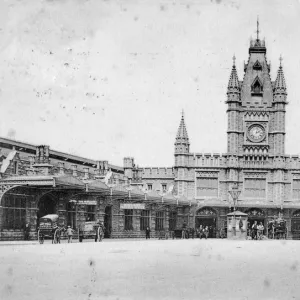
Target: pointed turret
x=233 y=89
x=233 y=84
x=182 y=144
x=279 y=84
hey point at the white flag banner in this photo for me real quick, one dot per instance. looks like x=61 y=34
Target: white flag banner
x=170 y=189
x=107 y=176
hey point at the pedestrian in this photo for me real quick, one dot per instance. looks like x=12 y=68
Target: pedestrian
x=193 y=232
x=254 y=231
x=148 y=233
x=200 y=232
x=260 y=229
x=96 y=232
x=69 y=234
x=206 y=231
x=241 y=224
x=183 y=230
x=222 y=233
x=26 y=232
x=101 y=231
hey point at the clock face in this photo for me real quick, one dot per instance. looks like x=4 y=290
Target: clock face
x=256 y=133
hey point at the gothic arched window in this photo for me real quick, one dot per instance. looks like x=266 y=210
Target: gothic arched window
x=257 y=87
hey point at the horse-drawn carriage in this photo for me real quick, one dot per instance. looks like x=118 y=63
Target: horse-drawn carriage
x=277 y=229
x=163 y=235
x=48 y=229
x=92 y=230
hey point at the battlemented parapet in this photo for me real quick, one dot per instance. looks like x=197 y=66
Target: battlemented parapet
x=157 y=173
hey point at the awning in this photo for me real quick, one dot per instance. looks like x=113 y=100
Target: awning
x=69 y=181
x=152 y=195
x=41 y=181
x=98 y=186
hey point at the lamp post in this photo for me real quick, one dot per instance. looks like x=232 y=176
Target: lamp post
x=234 y=193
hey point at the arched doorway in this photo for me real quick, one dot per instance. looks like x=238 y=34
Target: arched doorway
x=296 y=224
x=258 y=215
x=108 y=221
x=207 y=216
x=46 y=206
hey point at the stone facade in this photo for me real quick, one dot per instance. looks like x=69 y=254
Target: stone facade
x=255 y=160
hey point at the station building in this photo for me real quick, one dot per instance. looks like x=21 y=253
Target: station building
x=255 y=161
x=36 y=180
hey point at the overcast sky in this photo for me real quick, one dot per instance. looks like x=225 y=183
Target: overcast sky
x=108 y=79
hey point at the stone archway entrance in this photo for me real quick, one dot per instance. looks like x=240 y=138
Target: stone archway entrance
x=46 y=206
x=207 y=216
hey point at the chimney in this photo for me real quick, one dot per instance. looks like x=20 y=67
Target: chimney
x=105 y=165
x=46 y=154
x=86 y=173
x=74 y=168
x=31 y=160
x=42 y=162
x=42 y=154
x=61 y=167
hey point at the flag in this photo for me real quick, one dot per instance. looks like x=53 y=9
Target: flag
x=107 y=176
x=170 y=189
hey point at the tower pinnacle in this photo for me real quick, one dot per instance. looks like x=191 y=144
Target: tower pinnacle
x=233 y=84
x=279 y=85
x=257 y=29
x=182 y=140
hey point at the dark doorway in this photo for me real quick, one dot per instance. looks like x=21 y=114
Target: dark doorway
x=46 y=206
x=71 y=212
x=108 y=221
x=207 y=221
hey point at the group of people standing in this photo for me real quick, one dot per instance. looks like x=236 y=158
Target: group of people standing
x=256 y=231
x=203 y=232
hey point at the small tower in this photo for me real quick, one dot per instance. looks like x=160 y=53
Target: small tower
x=279 y=103
x=182 y=144
x=234 y=102
x=182 y=154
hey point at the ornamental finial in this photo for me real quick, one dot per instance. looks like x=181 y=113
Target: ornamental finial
x=280 y=59
x=257 y=30
x=233 y=58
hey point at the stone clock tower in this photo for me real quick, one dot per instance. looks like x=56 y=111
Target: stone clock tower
x=256 y=108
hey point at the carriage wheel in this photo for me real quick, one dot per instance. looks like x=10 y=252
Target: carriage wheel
x=40 y=237
x=55 y=237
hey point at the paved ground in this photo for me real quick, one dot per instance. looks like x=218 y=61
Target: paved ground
x=155 y=269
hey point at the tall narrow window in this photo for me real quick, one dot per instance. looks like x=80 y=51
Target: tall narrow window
x=149 y=187
x=145 y=219
x=90 y=213
x=15 y=167
x=164 y=188
x=159 y=220
x=255 y=188
x=14 y=211
x=128 y=213
x=172 y=220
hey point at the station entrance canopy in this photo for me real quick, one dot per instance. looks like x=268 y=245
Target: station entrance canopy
x=115 y=192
